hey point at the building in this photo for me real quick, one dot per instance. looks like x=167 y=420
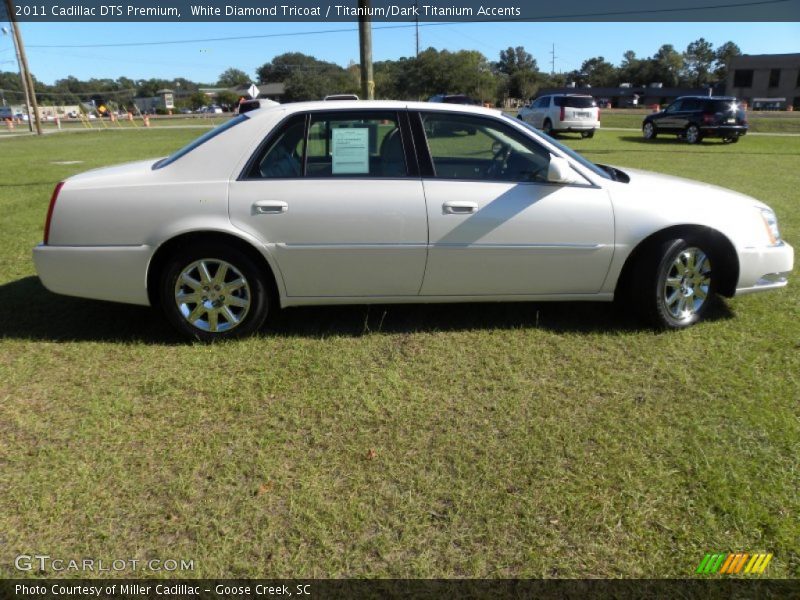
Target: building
x=628 y=96
x=164 y=100
x=765 y=81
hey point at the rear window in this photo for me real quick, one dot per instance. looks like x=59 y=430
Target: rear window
x=575 y=101
x=199 y=141
x=722 y=106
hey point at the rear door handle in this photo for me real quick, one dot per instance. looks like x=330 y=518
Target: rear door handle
x=459 y=207
x=269 y=207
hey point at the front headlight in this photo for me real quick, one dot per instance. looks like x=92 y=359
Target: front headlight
x=771 y=223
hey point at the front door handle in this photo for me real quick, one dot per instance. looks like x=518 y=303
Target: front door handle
x=269 y=207
x=459 y=207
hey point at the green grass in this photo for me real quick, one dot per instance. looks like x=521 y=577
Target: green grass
x=499 y=440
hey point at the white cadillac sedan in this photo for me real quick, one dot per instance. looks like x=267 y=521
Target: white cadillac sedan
x=361 y=202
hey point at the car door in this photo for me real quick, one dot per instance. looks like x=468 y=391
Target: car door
x=337 y=197
x=497 y=227
x=541 y=111
x=672 y=119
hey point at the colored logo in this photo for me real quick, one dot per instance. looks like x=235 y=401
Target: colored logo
x=733 y=564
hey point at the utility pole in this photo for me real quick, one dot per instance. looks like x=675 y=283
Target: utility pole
x=365 y=44
x=416 y=19
x=553 y=60
x=25 y=74
x=22 y=79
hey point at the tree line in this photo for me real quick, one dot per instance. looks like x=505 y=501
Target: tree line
x=514 y=75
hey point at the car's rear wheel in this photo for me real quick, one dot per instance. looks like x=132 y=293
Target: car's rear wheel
x=213 y=292
x=674 y=283
x=693 y=135
x=649 y=131
x=587 y=134
x=730 y=139
x=547 y=127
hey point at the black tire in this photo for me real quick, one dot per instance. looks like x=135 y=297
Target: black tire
x=659 y=298
x=547 y=127
x=587 y=134
x=649 y=131
x=693 y=135
x=730 y=140
x=255 y=293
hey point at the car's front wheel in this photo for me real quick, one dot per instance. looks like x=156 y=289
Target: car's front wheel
x=649 y=131
x=547 y=127
x=674 y=283
x=213 y=292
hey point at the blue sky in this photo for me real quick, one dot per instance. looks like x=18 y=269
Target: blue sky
x=204 y=61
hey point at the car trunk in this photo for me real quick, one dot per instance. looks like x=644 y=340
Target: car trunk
x=576 y=108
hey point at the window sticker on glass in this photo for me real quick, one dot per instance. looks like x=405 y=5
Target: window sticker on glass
x=350 y=150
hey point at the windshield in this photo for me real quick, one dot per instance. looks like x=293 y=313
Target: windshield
x=199 y=142
x=569 y=152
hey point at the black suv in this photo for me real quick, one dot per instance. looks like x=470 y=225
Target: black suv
x=695 y=117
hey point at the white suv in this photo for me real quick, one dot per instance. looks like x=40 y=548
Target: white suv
x=563 y=112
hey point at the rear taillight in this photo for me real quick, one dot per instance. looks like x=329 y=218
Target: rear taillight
x=50 y=208
x=562 y=115
x=708 y=119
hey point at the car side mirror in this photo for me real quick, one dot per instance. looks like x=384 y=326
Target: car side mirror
x=560 y=171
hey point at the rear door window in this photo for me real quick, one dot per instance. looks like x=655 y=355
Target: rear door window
x=357 y=144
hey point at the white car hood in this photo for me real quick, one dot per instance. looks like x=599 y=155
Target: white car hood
x=656 y=187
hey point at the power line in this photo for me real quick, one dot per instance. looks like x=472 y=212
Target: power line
x=223 y=39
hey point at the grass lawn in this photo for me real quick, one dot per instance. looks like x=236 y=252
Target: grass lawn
x=496 y=440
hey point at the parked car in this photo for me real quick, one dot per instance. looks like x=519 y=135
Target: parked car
x=248 y=105
x=558 y=113
x=693 y=118
x=341 y=97
x=354 y=203
x=454 y=99
x=6 y=112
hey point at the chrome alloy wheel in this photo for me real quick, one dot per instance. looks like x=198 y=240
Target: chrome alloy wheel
x=649 y=131
x=687 y=284
x=212 y=295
